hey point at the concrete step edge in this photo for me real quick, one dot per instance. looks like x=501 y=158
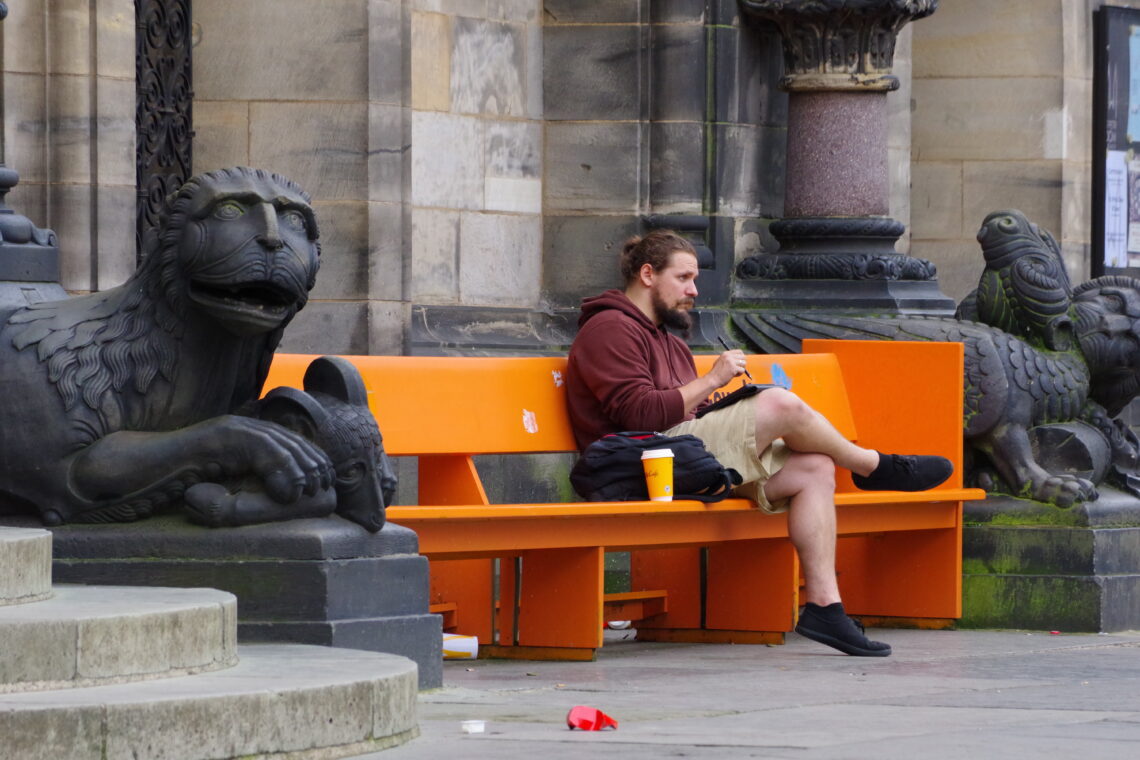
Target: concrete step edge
x=25 y=565
x=309 y=701
x=89 y=635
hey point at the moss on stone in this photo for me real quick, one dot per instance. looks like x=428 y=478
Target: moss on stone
x=1030 y=602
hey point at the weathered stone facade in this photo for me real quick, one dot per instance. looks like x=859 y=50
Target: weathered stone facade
x=487 y=155
x=68 y=129
x=1002 y=117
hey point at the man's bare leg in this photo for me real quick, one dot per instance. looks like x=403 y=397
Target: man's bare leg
x=783 y=414
x=808 y=480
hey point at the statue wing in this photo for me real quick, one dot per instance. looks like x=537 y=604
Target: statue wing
x=776 y=333
x=991 y=364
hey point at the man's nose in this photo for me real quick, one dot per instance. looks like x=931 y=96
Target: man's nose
x=270 y=235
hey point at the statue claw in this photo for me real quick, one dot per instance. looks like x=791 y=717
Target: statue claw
x=1063 y=490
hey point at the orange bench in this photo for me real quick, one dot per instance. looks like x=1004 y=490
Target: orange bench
x=528 y=578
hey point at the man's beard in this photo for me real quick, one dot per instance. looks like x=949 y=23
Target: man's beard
x=679 y=319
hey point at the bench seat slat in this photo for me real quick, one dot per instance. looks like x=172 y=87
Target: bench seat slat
x=472 y=532
x=423 y=513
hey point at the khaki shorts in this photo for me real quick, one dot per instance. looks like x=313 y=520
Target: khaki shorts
x=730 y=434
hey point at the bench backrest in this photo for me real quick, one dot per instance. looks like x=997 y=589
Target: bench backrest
x=493 y=405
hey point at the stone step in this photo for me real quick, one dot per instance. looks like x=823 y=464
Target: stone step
x=312 y=702
x=25 y=565
x=85 y=635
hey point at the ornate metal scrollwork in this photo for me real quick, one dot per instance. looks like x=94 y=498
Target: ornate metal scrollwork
x=163 y=109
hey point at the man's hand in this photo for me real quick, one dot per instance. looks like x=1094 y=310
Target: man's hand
x=727 y=366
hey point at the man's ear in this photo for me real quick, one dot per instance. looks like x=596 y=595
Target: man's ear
x=646 y=274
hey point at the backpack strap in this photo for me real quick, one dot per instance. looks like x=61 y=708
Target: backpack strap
x=718 y=492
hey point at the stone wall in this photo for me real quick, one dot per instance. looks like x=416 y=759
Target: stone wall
x=478 y=155
x=316 y=94
x=69 y=130
x=476 y=146
x=414 y=125
x=657 y=108
x=1001 y=118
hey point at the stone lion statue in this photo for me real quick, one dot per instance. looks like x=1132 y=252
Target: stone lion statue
x=1048 y=367
x=144 y=397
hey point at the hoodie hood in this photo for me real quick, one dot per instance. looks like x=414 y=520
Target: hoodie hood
x=612 y=299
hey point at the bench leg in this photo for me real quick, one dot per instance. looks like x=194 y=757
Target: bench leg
x=560 y=606
x=467 y=584
x=909 y=574
x=678 y=573
x=506 y=616
x=752 y=586
x=749 y=595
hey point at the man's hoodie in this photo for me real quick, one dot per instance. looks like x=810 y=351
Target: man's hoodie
x=624 y=371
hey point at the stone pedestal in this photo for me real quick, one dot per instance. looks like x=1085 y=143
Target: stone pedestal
x=29 y=256
x=836 y=235
x=1032 y=566
x=323 y=581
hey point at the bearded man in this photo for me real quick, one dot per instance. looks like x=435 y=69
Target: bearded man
x=627 y=372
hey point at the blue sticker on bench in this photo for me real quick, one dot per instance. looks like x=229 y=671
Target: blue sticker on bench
x=780 y=377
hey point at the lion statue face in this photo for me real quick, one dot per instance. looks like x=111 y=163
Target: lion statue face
x=242 y=249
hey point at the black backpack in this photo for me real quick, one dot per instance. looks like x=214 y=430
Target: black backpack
x=610 y=469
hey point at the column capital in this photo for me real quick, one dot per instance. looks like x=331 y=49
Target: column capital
x=839 y=44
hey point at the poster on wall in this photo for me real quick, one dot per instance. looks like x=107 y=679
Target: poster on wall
x=1116 y=142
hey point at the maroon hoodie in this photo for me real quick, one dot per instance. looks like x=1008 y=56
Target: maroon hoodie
x=624 y=371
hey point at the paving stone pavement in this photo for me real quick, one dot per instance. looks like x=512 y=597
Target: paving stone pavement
x=988 y=695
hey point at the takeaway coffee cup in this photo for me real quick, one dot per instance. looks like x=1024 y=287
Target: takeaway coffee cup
x=658 y=464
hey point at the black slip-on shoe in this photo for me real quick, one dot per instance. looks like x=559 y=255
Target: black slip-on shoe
x=898 y=472
x=830 y=625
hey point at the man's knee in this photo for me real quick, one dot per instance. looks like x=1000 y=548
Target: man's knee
x=782 y=408
x=813 y=470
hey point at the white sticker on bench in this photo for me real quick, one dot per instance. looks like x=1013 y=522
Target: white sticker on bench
x=530 y=422
x=557 y=377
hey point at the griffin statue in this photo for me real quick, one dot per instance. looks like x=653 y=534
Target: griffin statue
x=1048 y=366
x=145 y=397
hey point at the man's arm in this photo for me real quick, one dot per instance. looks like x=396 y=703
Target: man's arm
x=727 y=366
x=613 y=360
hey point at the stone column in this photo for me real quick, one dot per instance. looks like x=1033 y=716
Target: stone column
x=837 y=242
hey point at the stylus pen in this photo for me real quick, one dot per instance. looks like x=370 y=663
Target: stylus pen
x=726 y=348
